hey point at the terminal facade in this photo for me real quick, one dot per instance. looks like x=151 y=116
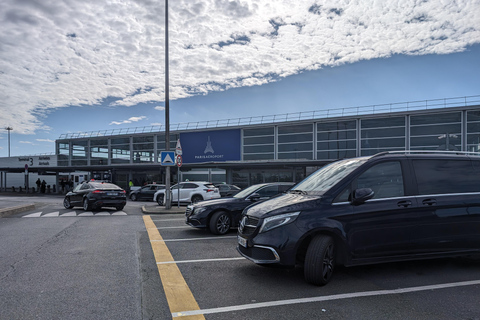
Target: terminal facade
x=265 y=149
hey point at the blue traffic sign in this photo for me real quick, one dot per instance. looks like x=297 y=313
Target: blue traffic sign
x=167 y=158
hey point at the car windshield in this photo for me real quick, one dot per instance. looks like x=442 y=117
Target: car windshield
x=246 y=192
x=325 y=178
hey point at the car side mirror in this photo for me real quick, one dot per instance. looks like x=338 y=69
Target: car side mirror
x=254 y=197
x=361 y=195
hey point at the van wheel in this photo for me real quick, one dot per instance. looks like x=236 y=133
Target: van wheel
x=86 y=205
x=220 y=222
x=160 y=199
x=320 y=260
x=66 y=203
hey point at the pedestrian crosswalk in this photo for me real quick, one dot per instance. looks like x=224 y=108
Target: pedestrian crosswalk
x=73 y=213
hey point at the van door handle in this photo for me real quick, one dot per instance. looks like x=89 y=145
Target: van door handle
x=429 y=202
x=405 y=203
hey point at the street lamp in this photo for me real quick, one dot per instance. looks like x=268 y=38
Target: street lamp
x=9 y=129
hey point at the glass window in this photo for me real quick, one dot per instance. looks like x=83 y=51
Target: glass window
x=436 y=131
x=258 y=132
x=259 y=144
x=385 y=179
x=294 y=129
x=446 y=176
x=382 y=134
x=268 y=191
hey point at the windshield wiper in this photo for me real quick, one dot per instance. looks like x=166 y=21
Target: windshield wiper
x=298 y=191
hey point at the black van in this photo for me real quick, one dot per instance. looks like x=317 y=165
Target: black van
x=392 y=206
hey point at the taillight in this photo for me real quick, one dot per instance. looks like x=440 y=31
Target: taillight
x=123 y=191
x=209 y=190
x=98 y=191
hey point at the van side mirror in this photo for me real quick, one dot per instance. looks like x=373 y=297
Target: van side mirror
x=361 y=195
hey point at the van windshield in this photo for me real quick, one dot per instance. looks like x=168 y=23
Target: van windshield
x=323 y=179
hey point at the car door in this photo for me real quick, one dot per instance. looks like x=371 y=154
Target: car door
x=78 y=193
x=176 y=189
x=148 y=192
x=449 y=190
x=388 y=224
x=186 y=191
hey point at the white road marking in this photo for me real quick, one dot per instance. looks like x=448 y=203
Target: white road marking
x=181 y=227
x=51 y=214
x=86 y=214
x=69 y=214
x=196 y=239
x=119 y=213
x=324 y=298
x=33 y=215
x=103 y=213
x=203 y=260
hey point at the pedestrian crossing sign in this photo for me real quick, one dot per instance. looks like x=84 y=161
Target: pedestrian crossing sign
x=167 y=158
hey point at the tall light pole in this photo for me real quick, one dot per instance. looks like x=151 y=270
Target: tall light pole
x=168 y=200
x=9 y=129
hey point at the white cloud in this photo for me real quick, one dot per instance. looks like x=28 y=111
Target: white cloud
x=45 y=140
x=130 y=120
x=56 y=53
x=159 y=108
x=26 y=142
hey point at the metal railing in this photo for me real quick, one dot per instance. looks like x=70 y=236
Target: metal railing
x=295 y=116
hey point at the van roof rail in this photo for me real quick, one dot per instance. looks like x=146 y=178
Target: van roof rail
x=464 y=153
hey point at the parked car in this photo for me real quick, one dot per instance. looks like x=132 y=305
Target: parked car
x=146 y=192
x=227 y=190
x=95 y=195
x=190 y=192
x=383 y=208
x=220 y=215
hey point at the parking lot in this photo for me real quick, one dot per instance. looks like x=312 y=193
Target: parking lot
x=154 y=266
x=214 y=282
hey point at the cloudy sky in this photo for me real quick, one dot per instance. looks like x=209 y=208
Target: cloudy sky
x=74 y=66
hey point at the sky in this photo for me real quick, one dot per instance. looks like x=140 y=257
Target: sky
x=71 y=66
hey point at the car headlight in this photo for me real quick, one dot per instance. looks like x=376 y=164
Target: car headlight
x=277 y=221
x=199 y=210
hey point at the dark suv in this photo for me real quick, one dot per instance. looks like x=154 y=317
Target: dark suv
x=95 y=195
x=219 y=215
x=388 y=207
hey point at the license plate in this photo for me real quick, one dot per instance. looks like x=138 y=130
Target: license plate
x=112 y=194
x=242 y=241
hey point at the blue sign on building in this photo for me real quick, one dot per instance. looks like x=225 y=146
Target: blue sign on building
x=211 y=146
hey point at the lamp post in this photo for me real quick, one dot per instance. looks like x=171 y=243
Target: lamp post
x=168 y=200
x=9 y=129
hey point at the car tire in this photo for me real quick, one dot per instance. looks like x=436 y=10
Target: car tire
x=66 y=203
x=86 y=205
x=220 y=223
x=197 y=198
x=133 y=197
x=119 y=208
x=160 y=199
x=320 y=260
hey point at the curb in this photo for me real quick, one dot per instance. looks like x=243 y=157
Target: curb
x=160 y=209
x=14 y=210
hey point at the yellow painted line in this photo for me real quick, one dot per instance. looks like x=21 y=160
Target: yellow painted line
x=179 y=296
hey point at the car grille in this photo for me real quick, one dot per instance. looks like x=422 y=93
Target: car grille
x=248 y=225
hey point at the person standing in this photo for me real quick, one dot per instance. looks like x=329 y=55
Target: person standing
x=38 y=183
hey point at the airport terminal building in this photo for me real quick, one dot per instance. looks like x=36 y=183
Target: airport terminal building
x=252 y=150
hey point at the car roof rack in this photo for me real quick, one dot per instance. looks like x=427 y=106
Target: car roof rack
x=446 y=152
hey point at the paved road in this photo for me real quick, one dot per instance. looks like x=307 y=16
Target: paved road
x=56 y=265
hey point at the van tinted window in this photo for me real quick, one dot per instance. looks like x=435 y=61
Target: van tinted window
x=385 y=179
x=446 y=176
